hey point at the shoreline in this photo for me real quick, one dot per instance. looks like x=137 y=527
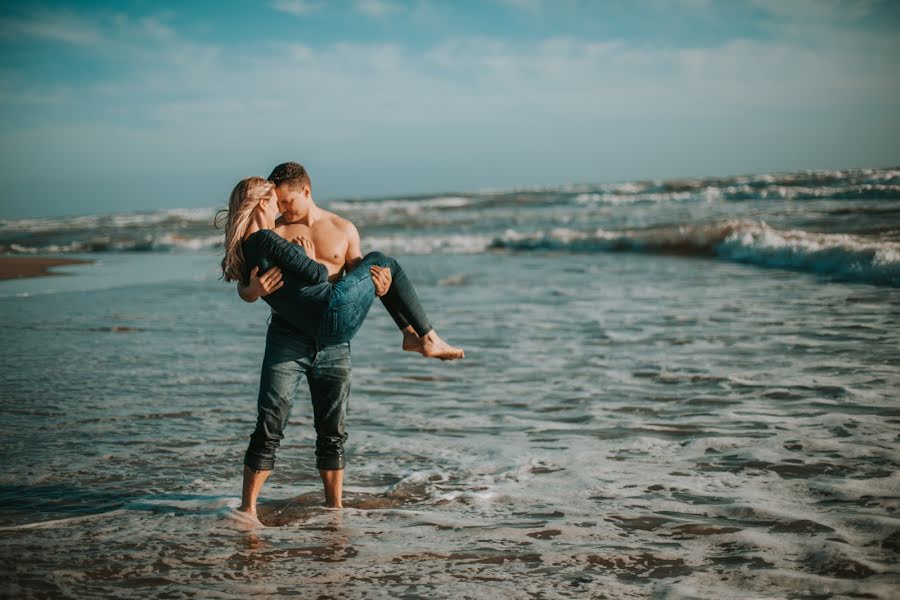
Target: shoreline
x=21 y=267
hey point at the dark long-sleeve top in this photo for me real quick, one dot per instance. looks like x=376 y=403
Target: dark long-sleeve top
x=306 y=291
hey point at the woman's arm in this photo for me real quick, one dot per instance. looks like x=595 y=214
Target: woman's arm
x=260 y=285
x=289 y=257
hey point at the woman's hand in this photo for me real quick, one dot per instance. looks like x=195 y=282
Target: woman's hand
x=307 y=244
x=264 y=285
x=381 y=277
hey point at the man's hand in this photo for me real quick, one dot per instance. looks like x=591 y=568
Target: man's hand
x=307 y=244
x=381 y=277
x=261 y=286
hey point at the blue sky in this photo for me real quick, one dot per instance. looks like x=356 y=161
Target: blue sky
x=133 y=105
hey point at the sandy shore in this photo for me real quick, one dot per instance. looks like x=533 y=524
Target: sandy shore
x=13 y=267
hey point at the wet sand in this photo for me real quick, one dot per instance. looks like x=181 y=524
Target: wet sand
x=15 y=267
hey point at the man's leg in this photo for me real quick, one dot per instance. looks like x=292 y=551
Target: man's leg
x=253 y=482
x=286 y=360
x=329 y=387
x=333 y=481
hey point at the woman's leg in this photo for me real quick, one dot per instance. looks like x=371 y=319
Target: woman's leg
x=402 y=302
x=401 y=299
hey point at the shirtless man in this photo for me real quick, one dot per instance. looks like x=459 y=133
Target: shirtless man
x=334 y=242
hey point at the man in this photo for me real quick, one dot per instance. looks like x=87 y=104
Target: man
x=291 y=355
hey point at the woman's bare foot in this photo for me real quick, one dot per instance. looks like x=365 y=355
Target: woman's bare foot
x=430 y=345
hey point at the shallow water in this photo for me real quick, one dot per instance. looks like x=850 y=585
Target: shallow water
x=623 y=426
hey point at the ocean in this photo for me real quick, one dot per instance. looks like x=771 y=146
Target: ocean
x=672 y=389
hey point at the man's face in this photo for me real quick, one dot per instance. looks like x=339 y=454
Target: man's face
x=291 y=202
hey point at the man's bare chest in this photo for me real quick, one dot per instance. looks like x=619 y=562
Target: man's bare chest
x=330 y=242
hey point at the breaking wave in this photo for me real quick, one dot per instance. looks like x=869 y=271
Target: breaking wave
x=837 y=255
x=839 y=224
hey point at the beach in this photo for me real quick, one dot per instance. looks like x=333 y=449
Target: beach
x=668 y=392
x=14 y=267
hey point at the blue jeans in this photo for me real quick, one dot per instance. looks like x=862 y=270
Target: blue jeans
x=352 y=297
x=290 y=356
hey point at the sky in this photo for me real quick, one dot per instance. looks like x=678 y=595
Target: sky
x=124 y=105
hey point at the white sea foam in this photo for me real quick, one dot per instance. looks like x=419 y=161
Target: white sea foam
x=752 y=242
x=626 y=198
x=409 y=206
x=836 y=254
x=173 y=240
x=149 y=242
x=116 y=220
x=410 y=244
x=834 y=223
x=582 y=453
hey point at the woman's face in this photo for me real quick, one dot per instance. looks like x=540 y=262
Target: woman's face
x=269 y=203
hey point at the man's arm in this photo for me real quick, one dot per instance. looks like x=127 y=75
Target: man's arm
x=260 y=286
x=354 y=253
x=381 y=276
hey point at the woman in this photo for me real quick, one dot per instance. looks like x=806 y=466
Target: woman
x=328 y=312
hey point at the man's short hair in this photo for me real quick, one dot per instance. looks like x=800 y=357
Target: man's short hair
x=291 y=173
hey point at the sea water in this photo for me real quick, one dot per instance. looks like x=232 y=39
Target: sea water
x=670 y=390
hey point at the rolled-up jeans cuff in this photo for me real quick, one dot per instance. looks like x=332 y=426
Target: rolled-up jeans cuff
x=330 y=451
x=259 y=463
x=330 y=464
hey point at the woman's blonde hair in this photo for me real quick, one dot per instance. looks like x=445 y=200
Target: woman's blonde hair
x=243 y=201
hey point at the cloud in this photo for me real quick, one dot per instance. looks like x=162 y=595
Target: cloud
x=55 y=27
x=157 y=96
x=50 y=96
x=524 y=5
x=375 y=8
x=154 y=27
x=499 y=86
x=176 y=82
x=535 y=6
x=295 y=7
x=818 y=9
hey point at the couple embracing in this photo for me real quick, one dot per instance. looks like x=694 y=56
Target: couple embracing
x=308 y=266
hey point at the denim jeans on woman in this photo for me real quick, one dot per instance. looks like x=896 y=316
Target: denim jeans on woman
x=353 y=294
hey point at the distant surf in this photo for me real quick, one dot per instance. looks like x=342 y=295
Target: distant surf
x=840 y=224
x=840 y=255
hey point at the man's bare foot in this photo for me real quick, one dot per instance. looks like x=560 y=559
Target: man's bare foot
x=430 y=345
x=244 y=517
